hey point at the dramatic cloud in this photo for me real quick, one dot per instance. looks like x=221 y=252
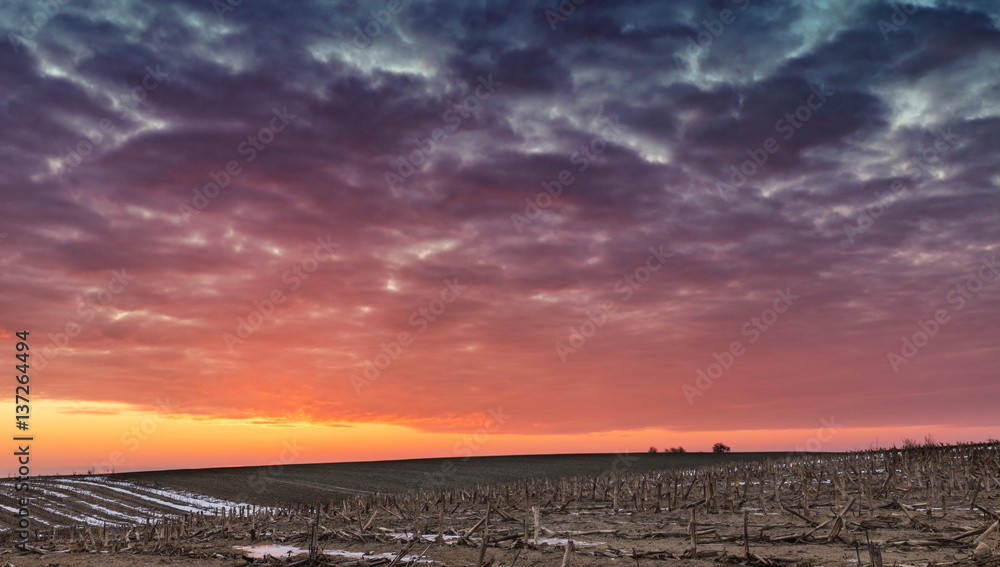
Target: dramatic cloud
x=571 y=218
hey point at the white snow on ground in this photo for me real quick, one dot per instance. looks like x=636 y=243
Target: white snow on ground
x=121 y=516
x=260 y=551
x=141 y=504
x=425 y=537
x=148 y=512
x=558 y=541
x=15 y=511
x=450 y=538
x=56 y=508
x=109 y=486
x=66 y=514
x=359 y=555
x=205 y=504
x=105 y=511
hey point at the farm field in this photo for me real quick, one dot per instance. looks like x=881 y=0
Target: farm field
x=98 y=501
x=308 y=483
x=927 y=506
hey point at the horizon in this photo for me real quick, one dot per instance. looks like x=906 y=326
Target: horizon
x=928 y=441
x=788 y=454
x=401 y=229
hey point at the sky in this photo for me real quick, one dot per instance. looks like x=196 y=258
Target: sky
x=335 y=231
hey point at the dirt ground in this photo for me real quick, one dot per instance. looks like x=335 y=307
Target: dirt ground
x=600 y=538
x=935 y=505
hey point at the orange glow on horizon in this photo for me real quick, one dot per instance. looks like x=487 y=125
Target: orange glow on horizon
x=83 y=436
